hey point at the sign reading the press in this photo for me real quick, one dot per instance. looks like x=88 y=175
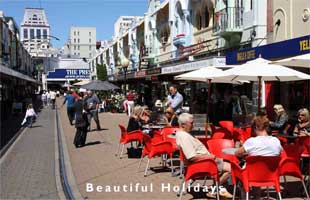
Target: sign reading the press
x=69 y=74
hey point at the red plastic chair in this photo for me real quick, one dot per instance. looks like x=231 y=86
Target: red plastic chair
x=167 y=131
x=246 y=133
x=201 y=169
x=259 y=171
x=215 y=146
x=221 y=135
x=128 y=137
x=292 y=151
x=289 y=167
x=229 y=125
x=151 y=150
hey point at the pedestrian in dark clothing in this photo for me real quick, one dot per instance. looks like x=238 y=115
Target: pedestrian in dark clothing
x=81 y=122
x=70 y=106
x=92 y=103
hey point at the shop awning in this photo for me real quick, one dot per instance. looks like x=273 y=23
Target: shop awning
x=11 y=72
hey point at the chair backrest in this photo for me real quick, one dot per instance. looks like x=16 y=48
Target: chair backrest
x=293 y=151
x=290 y=167
x=147 y=140
x=123 y=133
x=221 y=135
x=136 y=135
x=246 y=133
x=201 y=169
x=168 y=130
x=229 y=125
x=215 y=146
x=123 y=129
x=263 y=171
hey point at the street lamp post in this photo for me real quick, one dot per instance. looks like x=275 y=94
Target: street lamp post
x=125 y=64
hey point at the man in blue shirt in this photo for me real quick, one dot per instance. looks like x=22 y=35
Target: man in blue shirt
x=70 y=106
x=92 y=104
x=175 y=99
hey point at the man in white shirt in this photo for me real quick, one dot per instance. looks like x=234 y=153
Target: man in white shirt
x=194 y=150
x=53 y=98
x=175 y=99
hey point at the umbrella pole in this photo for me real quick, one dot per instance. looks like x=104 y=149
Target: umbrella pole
x=208 y=107
x=259 y=92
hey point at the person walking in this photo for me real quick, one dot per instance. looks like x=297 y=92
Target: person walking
x=92 y=103
x=48 y=97
x=30 y=116
x=175 y=99
x=70 y=106
x=81 y=122
x=44 y=98
x=53 y=98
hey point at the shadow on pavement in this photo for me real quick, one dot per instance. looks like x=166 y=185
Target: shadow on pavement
x=93 y=143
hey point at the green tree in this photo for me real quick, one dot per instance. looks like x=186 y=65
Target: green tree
x=102 y=72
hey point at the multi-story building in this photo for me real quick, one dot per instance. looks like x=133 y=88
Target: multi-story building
x=82 y=42
x=123 y=24
x=18 y=76
x=179 y=36
x=35 y=32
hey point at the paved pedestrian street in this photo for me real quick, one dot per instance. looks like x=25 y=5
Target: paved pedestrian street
x=28 y=169
x=96 y=165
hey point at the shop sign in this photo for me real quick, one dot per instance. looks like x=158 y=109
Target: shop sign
x=293 y=47
x=187 y=51
x=69 y=74
x=140 y=73
x=154 y=71
x=194 y=65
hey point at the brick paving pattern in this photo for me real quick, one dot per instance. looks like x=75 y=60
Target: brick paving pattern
x=28 y=171
x=97 y=164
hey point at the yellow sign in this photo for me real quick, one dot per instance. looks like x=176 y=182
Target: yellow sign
x=246 y=55
x=304 y=45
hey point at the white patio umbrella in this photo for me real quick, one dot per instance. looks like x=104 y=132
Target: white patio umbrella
x=83 y=82
x=296 y=61
x=261 y=70
x=210 y=75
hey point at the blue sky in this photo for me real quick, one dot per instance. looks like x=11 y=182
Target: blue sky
x=61 y=14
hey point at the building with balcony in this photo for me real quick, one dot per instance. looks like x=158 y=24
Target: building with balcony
x=180 y=36
x=124 y=23
x=17 y=73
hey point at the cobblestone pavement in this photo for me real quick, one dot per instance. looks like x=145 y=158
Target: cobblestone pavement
x=97 y=164
x=28 y=170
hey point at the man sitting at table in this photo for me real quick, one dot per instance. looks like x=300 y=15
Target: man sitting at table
x=263 y=144
x=195 y=151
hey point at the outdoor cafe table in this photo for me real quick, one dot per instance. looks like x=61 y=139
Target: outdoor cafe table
x=229 y=151
x=154 y=127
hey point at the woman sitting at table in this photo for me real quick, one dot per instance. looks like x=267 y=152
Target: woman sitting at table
x=263 y=144
x=134 y=120
x=281 y=118
x=145 y=115
x=303 y=127
x=170 y=117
